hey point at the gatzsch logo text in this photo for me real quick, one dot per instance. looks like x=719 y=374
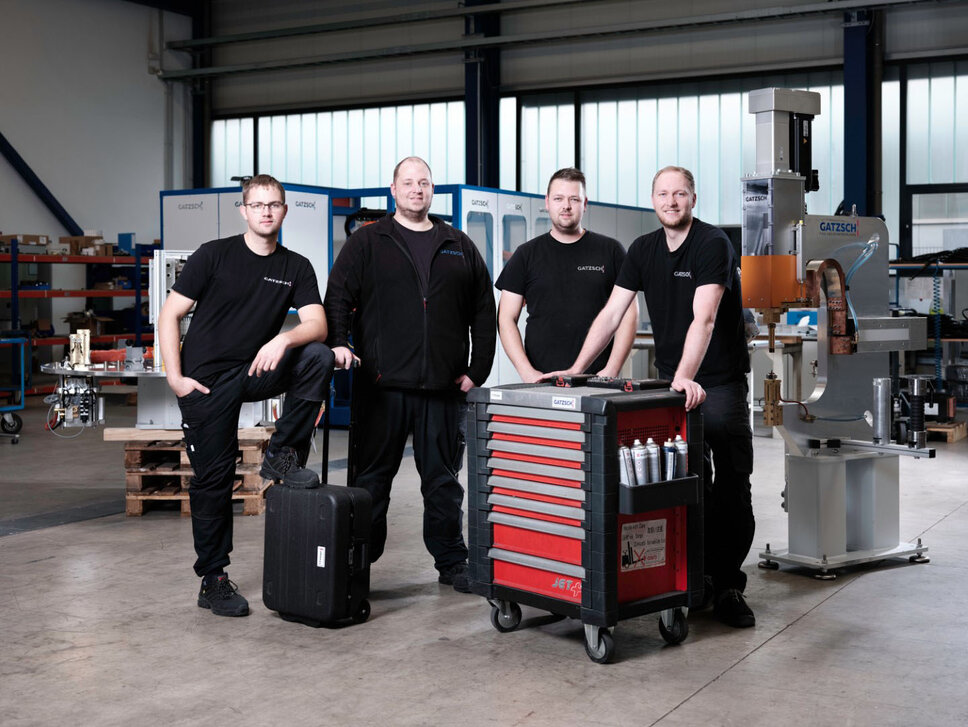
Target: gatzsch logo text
x=287 y=283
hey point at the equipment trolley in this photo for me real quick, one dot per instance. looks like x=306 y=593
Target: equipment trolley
x=11 y=423
x=549 y=524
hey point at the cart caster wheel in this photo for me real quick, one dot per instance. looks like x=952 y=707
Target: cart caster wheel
x=677 y=631
x=919 y=559
x=363 y=613
x=507 y=621
x=825 y=576
x=11 y=423
x=769 y=564
x=602 y=652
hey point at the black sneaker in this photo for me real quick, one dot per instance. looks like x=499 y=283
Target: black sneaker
x=222 y=596
x=456 y=576
x=732 y=610
x=283 y=465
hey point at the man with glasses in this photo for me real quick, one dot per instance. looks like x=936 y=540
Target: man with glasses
x=416 y=295
x=691 y=280
x=242 y=288
x=564 y=277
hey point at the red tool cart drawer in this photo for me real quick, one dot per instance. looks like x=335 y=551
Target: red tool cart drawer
x=536 y=537
x=537 y=575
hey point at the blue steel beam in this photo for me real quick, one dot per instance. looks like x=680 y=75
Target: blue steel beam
x=39 y=188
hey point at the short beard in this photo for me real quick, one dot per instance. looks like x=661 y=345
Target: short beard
x=683 y=222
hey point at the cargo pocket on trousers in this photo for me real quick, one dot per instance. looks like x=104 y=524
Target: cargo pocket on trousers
x=741 y=446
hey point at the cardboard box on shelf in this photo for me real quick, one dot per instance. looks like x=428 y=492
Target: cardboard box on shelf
x=77 y=244
x=97 y=325
x=25 y=243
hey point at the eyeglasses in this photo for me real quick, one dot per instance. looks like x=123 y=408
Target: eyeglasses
x=259 y=206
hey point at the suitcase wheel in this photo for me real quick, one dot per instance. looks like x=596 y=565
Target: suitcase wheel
x=362 y=613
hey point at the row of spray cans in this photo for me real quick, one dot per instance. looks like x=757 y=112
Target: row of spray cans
x=643 y=464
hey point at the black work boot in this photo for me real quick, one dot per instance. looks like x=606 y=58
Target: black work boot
x=731 y=609
x=222 y=596
x=456 y=576
x=282 y=465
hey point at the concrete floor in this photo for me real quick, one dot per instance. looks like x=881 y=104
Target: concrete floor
x=98 y=623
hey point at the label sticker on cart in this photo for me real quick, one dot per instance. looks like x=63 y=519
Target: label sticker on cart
x=643 y=545
x=497 y=395
x=564 y=402
x=321 y=556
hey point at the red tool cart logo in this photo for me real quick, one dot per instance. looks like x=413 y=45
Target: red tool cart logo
x=643 y=545
x=567 y=585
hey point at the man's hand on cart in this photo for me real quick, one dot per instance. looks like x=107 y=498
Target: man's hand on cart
x=695 y=394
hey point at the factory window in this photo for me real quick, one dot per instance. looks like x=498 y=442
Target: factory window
x=349 y=148
x=359 y=147
x=547 y=142
x=232 y=145
x=626 y=137
x=937 y=123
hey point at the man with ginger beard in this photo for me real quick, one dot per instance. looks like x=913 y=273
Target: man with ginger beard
x=691 y=281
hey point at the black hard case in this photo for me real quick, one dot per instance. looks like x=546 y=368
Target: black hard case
x=317 y=568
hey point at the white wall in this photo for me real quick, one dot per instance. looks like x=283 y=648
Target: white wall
x=83 y=110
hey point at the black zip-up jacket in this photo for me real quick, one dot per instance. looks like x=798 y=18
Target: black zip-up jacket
x=408 y=337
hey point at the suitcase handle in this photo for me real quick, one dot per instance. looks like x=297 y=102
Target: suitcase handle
x=360 y=555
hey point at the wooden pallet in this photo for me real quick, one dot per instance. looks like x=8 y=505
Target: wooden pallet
x=132 y=434
x=950 y=432
x=253 y=502
x=158 y=469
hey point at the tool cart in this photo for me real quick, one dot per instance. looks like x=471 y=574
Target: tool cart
x=550 y=525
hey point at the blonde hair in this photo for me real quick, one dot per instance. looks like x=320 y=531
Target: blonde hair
x=682 y=170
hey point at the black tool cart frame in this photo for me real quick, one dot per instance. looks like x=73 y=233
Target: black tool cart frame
x=603 y=417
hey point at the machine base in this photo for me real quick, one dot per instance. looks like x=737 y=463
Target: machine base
x=771 y=559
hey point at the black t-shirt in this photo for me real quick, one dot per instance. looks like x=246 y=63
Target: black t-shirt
x=669 y=281
x=565 y=285
x=421 y=244
x=242 y=301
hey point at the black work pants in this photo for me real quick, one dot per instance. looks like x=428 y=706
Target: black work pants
x=384 y=419
x=210 y=426
x=728 y=506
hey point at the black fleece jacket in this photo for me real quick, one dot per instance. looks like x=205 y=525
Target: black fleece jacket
x=408 y=337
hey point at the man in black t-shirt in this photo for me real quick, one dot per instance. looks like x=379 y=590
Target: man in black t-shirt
x=690 y=278
x=564 y=277
x=242 y=287
x=416 y=295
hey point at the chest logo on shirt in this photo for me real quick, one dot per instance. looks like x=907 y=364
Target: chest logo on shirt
x=287 y=283
x=591 y=269
x=459 y=253
x=682 y=274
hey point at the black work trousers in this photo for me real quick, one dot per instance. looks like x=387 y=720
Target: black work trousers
x=210 y=426
x=728 y=506
x=383 y=420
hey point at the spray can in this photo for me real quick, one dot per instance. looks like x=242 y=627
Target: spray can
x=639 y=465
x=626 y=471
x=654 y=460
x=669 y=455
x=682 y=456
